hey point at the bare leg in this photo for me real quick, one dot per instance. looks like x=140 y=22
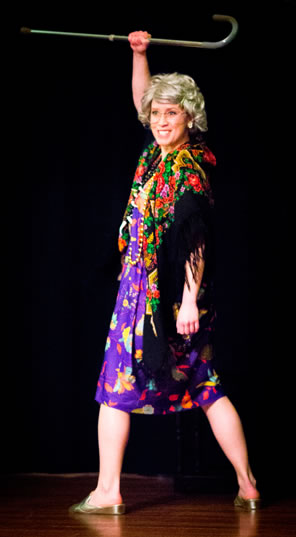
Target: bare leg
x=113 y=433
x=227 y=428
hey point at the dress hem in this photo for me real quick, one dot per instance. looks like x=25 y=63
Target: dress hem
x=149 y=410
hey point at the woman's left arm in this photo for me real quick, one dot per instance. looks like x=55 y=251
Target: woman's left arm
x=139 y=42
x=188 y=316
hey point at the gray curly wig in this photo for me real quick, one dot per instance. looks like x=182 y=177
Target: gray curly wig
x=177 y=89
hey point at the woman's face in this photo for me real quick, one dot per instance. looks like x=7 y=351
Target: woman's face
x=169 y=126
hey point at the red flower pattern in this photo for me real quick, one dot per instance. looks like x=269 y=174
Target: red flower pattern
x=208 y=156
x=194 y=181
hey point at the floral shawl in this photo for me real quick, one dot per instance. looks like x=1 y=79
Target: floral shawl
x=180 y=186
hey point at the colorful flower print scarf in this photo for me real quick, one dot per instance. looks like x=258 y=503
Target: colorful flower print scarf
x=179 y=171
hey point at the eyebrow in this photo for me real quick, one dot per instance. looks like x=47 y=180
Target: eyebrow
x=171 y=107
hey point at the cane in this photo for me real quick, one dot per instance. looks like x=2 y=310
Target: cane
x=153 y=41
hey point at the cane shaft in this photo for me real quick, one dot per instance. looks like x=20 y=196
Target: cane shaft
x=153 y=41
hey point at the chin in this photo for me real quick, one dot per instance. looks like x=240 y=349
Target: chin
x=162 y=139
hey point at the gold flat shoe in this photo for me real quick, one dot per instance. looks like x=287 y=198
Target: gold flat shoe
x=85 y=508
x=251 y=504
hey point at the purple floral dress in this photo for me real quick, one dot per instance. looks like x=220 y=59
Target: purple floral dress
x=123 y=382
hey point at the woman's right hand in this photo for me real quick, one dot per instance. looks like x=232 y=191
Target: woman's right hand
x=139 y=41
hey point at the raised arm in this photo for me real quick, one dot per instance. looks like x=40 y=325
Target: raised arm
x=141 y=75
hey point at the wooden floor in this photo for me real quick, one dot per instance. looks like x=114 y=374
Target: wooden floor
x=37 y=506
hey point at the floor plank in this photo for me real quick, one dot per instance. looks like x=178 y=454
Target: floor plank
x=36 y=505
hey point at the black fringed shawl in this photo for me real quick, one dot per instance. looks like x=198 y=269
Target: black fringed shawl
x=176 y=229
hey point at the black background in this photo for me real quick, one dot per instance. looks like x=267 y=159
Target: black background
x=71 y=147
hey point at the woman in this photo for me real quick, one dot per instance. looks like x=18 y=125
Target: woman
x=158 y=356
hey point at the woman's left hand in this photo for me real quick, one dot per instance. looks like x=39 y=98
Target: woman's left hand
x=139 y=41
x=188 y=318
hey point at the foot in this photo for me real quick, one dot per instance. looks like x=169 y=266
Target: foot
x=101 y=498
x=248 y=492
x=248 y=489
x=248 y=505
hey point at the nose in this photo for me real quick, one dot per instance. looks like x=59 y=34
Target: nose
x=163 y=119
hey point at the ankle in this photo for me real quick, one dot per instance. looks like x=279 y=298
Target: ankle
x=106 y=492
x=108 y=486
x=247 y=485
